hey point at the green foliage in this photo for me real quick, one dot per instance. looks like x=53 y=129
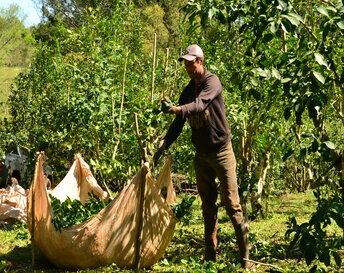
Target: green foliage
x=7 y=76
x=69 y=213
x=16 y=42
x=182 y=209
x=195 y=264
x=84 y=86
x=154 y=24
x=311 y=237
x=73 y=89
x=280 y=64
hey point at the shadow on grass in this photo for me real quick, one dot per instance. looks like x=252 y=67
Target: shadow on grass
x=19 y=260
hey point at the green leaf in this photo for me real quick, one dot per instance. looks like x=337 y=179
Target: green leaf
x=284 y=80
x=211 y=12
x=283 y=5
x=320 y=59
x=333 y=9
x=254 y=81
x=340 y=24
x=292 y=20
x=296 y=16
x=276 y=73
x=273 y=27
x=330 y=145
x=323 y=10
x=319 y=76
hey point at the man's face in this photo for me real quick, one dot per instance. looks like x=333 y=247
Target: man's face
x=194 y=68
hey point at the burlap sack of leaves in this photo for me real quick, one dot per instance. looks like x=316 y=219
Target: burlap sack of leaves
x=123 y=232
x=13 y=204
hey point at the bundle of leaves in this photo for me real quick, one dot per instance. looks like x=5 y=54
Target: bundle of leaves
x=182 y=209
x=69 y=213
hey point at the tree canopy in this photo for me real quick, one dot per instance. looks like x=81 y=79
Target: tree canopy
x=16 y=42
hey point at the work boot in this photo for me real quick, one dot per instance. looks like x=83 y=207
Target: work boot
x=210 y=238
x=242 y=241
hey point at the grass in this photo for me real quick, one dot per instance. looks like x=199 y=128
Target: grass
x=184 y=254
x=7 y=75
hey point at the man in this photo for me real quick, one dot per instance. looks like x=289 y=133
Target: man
x=201 y=102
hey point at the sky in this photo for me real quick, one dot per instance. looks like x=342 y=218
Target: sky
x=28 y=9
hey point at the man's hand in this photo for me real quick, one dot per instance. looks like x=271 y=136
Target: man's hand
x=168 y=108
x=159 y=152
x=176 y=110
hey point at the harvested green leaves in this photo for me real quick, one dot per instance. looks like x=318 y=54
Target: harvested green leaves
x=69 y=213
x=183 y=208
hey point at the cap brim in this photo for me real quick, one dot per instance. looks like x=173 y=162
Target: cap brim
x=187 y=57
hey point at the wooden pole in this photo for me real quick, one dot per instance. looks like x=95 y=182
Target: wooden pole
x=140 y=218
x=153 y=68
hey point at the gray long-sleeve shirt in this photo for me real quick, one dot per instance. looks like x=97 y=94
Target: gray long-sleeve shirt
x=204 y=108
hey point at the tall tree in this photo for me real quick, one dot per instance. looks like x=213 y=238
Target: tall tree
x=16 y=43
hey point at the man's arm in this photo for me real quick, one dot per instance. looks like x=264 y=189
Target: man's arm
x=212 y=88
x=174 y=131
x=171 y=135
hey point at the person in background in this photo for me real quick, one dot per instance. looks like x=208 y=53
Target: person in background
x=3 y=174
x=201 y=103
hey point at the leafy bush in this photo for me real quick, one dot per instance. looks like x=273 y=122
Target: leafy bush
x=312 y=239
x=84 y=87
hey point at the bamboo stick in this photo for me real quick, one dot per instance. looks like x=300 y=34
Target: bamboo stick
x=113 y=113
x=68 y=95
x=166 y=78
x=122 y=103
x=153 y=68
x=174 y=76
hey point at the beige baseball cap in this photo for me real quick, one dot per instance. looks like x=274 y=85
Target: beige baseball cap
x=191 y=53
